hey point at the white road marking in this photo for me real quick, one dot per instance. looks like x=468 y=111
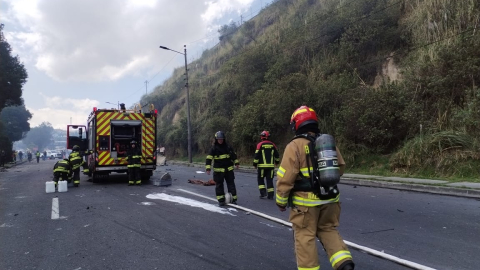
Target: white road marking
x=373 y=252
x=55 y=209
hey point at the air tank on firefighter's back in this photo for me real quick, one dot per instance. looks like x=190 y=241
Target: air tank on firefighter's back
x=327 y=160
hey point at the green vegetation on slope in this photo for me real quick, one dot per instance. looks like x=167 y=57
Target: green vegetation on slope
x=395 y=79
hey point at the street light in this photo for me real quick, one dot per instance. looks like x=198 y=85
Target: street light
x=188 y=101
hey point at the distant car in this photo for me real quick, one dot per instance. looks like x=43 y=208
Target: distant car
x=59 y=155
x=53 y=155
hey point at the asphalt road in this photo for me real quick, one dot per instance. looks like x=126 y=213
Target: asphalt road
x=114 y=226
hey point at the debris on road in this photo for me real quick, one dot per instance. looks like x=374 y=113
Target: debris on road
x=203 y=183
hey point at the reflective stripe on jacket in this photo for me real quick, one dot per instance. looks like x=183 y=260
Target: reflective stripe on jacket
x=292 y=168
x=134 y=157
x=62 y=166
x=222 y=157
x=76 y=160
x=266 y=155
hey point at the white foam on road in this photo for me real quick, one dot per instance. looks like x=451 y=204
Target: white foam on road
x=55 y=209
x=190 y=202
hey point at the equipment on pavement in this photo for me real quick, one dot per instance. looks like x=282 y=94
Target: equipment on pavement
x=62 y=186
x=109 y=135
x=50 y=187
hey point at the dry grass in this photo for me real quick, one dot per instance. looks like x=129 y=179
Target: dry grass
x=446 y=152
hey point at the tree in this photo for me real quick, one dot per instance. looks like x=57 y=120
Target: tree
x=15 y=120
x=40 y=136
x=12 y=75
x=5 y=143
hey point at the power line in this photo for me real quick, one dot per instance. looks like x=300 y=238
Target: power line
x=135 y=92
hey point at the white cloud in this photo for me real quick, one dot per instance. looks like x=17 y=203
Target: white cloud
x=60 y=111
x=91 y=40
x=216 y=9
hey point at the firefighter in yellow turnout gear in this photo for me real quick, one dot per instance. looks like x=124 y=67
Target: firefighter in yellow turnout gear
x=62 y=171
x=265 y=159
x=311 y=216
x=76 y=161
x=134 y=157
x=223 y=159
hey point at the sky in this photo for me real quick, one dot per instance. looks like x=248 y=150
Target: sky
x=81 y=54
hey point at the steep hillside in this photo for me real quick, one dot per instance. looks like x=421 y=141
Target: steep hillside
x=385 y=77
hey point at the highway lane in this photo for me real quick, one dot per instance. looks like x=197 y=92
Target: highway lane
x=441 y=232
x=113 y=226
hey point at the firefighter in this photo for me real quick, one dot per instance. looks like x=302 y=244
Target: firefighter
x=62 y=170
x=38 y=156
x=76 y=161
x=224 y=158
x=265 y=160
x=311 y=215
x=134 y=158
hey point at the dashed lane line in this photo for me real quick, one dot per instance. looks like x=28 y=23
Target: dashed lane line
x=370 y=251
x=55 y=209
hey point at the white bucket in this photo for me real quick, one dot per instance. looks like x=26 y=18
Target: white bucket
x=62 y=186
x=50 y=187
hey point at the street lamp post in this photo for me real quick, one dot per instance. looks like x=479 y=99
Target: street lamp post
x=189 y=129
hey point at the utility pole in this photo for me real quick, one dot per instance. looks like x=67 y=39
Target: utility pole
x=146 y=87
x=189 y=131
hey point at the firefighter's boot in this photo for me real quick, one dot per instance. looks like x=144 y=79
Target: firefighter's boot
x=263 y=193
x=347 y=265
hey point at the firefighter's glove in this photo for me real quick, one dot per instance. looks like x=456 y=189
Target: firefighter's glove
x=208 y=172
x=282 y=208
x=237 y=166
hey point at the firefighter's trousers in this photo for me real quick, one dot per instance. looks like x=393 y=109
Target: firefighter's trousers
x=322 y=221
x=229 y=177
x=59 y=176
x=267 y=173
x=76 y=176
x=134 y=176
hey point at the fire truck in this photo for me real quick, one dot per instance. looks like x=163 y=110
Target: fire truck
x=108 y=135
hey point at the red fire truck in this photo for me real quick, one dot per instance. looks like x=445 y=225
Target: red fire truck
x=108 y=134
